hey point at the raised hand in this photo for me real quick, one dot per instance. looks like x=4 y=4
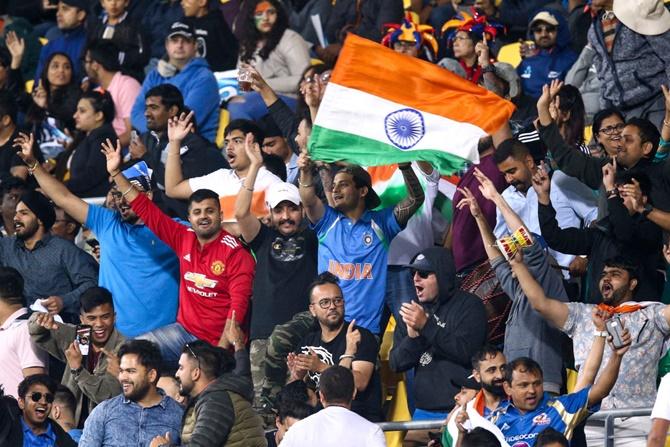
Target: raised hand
x=73 y=356
x=486 y=186
x=253 y=150
x=180 y=127
x=40 y=95
x=25 y=145
x=257 y=82
x=470 y=201
x=599 y=317
x=113 y=156
x=609 y=172
x=17 y=47
x=541 y=182
x=46 y=320
x=554 y=88
x=304 y=162
x=413 y=315
x=353 y=338
x=482 y=51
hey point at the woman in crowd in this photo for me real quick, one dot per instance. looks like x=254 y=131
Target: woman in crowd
x=412 y=39
x=277 y=53
x=607 y=127
x=567 y=110
x=84 y=168
x=54 y=102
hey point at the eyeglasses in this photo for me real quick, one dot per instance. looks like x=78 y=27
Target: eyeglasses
x=37 y=396
x=544 y=28
x=612 y=130
x=325 y=303
x=423 y=274
x=193 y=354
x=325 y=77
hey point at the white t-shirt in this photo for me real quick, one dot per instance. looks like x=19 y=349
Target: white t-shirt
x=226 y=183
x=334 y=427
x=662 y=405
x=17 y=353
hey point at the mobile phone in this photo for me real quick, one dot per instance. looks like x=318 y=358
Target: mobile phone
x=83 y=338
x=93 y=243
x=615 y=329
x=133 y=135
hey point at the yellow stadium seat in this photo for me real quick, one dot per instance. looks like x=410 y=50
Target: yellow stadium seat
x=315 y=61
x=224 y=119
x=29 y=85
x=44 y=41
x=510 y=54
x=571 y=380
x=398 y=410
x=588 y=133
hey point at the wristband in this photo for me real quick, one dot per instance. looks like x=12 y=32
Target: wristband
x=75 y=372
x=602 y=334
x=31 y=169
x=117 y=173
x=346 y=356
x=248 y=189
x=305 y=185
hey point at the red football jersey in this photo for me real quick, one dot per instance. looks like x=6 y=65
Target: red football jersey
x=215 y=279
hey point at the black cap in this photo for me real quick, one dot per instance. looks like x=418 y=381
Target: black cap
x=466 y=382
x=41 y=207
x=362 y=177
x=181 y=29
x=269 y=127
x=81 y=4
x=421 y=263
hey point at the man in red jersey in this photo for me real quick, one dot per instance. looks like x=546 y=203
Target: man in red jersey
x=216 y=271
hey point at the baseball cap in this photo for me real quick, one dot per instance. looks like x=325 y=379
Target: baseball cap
x=81 y=4
x=544 y=16
x=281 y=191
x=181 y=29
x=421 y=263
x=362 y=177
x=466 y=382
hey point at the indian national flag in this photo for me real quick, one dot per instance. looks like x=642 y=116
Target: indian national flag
x=382 y=107
x=450 y=435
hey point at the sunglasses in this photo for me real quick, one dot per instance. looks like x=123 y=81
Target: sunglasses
x=422 y=273
x=325 y=303
x=37 y=396
x=547 y=29
x=193 y=354
x=612 y=130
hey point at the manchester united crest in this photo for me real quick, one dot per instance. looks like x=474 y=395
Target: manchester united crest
x=217 y=267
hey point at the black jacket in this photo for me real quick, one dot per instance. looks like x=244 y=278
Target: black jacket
x=589 y=169
x=455 y=331
x=130 y=39
x=619 y=233
x=88 y=167
x=201 y=157
x=216 y=42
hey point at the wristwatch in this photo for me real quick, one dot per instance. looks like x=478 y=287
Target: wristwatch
x=647 y=209
x=75 y=372
x=602 y=334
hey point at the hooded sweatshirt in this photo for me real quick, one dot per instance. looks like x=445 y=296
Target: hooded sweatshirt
x=454 y=332
x=222 y=415
x=197 y=84
x=547 y=65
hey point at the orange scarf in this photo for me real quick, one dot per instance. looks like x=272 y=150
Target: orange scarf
x=620 y=309
x=480 y=402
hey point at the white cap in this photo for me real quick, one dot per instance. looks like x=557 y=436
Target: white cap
x=281 y=191
x=646 y=17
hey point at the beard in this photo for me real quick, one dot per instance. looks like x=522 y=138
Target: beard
x=492 y=388
x=26 y=232
x=139 y=391
x=617 y=296
x=332 y=324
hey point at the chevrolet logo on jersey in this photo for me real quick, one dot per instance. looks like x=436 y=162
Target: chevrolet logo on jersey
x=200 y=280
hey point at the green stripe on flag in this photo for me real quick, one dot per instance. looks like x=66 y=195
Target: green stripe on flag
x=332 y=145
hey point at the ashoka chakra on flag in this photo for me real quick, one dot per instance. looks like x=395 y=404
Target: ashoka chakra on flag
x=404 y=128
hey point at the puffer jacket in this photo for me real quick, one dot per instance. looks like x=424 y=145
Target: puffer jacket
x=634 y=71
x=454 y=332
x=222 y=416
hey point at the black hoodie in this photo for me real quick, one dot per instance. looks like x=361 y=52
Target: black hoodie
x=454 y=332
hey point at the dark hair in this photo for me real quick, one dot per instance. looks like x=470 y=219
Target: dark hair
x=11 y=182
x=101 y=102
x=245 y=126
x=5 y=57
x=484 y=144
x=147 y=352
x=295 y=409
x=69 y=219
x=337 y=385
x=488 y=350
x=293 y=391
x=551 y=436
x=648 y=133
x=480 y=437
x=66 y=398
x=275 y=165
x=523 y=364
x=626 y=177
x=93 y=297
x=169 y=94
x=301 y=107
x=105 y=53
x=8 y=105
x=11 y=286
x=35 y=379
x=44 y=77
x=571 y=101
x=213 y=360
x=510 y=148
x=624 y=263
x=601 y=115
x=203 y=194
x=249 y=36
x=322 y=279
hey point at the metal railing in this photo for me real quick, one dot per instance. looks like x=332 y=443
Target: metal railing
x=607 y=416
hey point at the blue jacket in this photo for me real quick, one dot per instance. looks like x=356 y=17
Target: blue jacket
x=197 y=84
x=550 y=64
x=71 y=43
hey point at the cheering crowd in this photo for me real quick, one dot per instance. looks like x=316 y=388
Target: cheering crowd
x=177 y=269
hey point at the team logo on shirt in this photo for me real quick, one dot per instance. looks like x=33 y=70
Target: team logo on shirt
x=367 y=239
x=200 y=280
x=542 y=419
x=217 y=267
x=324 y=355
